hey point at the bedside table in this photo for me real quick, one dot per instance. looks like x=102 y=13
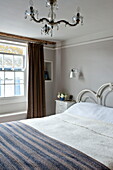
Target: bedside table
x=61 y=106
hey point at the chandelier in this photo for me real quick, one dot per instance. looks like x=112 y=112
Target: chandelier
x=50 y=23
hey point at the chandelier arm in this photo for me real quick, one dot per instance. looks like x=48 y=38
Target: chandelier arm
x=55 y=23
x=40 y=20
x=66 y=22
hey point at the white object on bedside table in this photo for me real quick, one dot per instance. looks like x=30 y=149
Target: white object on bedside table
x=61 y=106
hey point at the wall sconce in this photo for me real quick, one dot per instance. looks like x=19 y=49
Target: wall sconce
x=74 y=73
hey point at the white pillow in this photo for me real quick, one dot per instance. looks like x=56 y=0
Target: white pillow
x=92 y=110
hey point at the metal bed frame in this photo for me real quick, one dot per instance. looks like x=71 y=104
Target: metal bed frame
x=99 y=97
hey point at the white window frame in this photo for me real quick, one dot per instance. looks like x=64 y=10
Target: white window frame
x=17 y=99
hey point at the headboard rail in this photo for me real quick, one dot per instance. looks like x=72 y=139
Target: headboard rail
x=99 y=97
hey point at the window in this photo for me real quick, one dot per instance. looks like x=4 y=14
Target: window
x=12 y=70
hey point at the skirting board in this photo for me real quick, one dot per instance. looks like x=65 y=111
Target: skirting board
x=13 y=116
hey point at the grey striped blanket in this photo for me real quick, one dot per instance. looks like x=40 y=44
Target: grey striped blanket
x=24 y=148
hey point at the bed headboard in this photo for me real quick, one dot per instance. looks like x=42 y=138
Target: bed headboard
x=102 y=96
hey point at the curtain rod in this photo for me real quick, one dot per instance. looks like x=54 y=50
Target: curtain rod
x=2 y=34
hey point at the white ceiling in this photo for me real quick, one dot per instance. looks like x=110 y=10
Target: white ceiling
x=98 y=18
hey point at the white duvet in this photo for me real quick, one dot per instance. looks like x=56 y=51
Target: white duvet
x=92 y=137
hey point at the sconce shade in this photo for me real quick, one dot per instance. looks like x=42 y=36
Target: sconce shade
x=74 y=73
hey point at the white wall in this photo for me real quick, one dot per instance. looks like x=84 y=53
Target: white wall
x=49 y=55
x=94 y=59
x=51 y=88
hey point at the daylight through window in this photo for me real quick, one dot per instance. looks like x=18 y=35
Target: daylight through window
x=12 y=70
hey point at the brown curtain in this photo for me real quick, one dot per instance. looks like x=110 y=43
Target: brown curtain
x=36 y=83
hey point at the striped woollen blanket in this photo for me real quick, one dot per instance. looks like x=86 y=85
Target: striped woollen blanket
x=24 y=148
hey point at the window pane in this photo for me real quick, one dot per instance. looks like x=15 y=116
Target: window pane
x=9 y=90
x=18 y=62
x=1 y=77
x=6 y=48
x=19 y=90
x=19 y=77
x=12 y=64
x=8 y=62
x=1 y=64
x=9 y=77
x=1 y=90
